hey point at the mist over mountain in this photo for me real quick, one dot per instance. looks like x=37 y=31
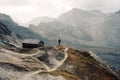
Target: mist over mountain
x=12 y=32
x=38 y=20
x=87 y=22
x=86 y=27
x=23 y=32
x=78 y=17
x=54 y=30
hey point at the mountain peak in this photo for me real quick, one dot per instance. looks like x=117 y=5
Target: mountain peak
x=76 y=9
x=5 y=17
x=38 y=20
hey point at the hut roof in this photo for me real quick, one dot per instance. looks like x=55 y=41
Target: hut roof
x=31 y=41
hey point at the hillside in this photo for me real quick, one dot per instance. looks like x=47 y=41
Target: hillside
x=23 y=32
x=8 y=38
x=53 y=63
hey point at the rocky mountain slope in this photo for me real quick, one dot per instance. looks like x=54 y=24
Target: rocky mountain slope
x=7 y=37
x=24 y=32
x=56 y=30
x=53 y=63
x=112 y=27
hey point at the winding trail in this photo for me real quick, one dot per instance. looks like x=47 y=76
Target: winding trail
x=55 y=67
x=30 y=74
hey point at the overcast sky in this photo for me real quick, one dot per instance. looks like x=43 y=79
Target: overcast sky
x=25 y=10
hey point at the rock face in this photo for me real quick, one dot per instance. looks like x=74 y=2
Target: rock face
x=7 y=37
x=5 y=17
x=53 y=63
x=4 y=30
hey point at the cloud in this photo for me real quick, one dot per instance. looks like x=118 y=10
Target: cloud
x=13 y=2
x=25 y=10
x=104 y=5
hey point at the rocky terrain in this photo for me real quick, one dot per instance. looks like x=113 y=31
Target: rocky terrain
x=52 y=63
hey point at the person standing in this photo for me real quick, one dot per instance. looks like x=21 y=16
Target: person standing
x=59 y=41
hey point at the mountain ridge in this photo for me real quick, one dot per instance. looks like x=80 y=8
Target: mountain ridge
x=91 y=27
x=21 y=31
x=8 y=38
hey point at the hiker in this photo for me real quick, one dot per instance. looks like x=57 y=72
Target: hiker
x=59 y=41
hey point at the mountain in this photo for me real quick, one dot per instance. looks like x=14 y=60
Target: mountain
x=87 y=22
x=23 y=32
x=113 y=29
x=82 y=18
x=5 y=17
x=85 y=27
x=53 y=30
x=103 y=28
x=53 y=63
x=80 y=27
x=38 y=20
x=8 y=38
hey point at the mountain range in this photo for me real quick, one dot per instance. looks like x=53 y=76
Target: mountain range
x=37 y=20
x=76 y=27
x=85 y=27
